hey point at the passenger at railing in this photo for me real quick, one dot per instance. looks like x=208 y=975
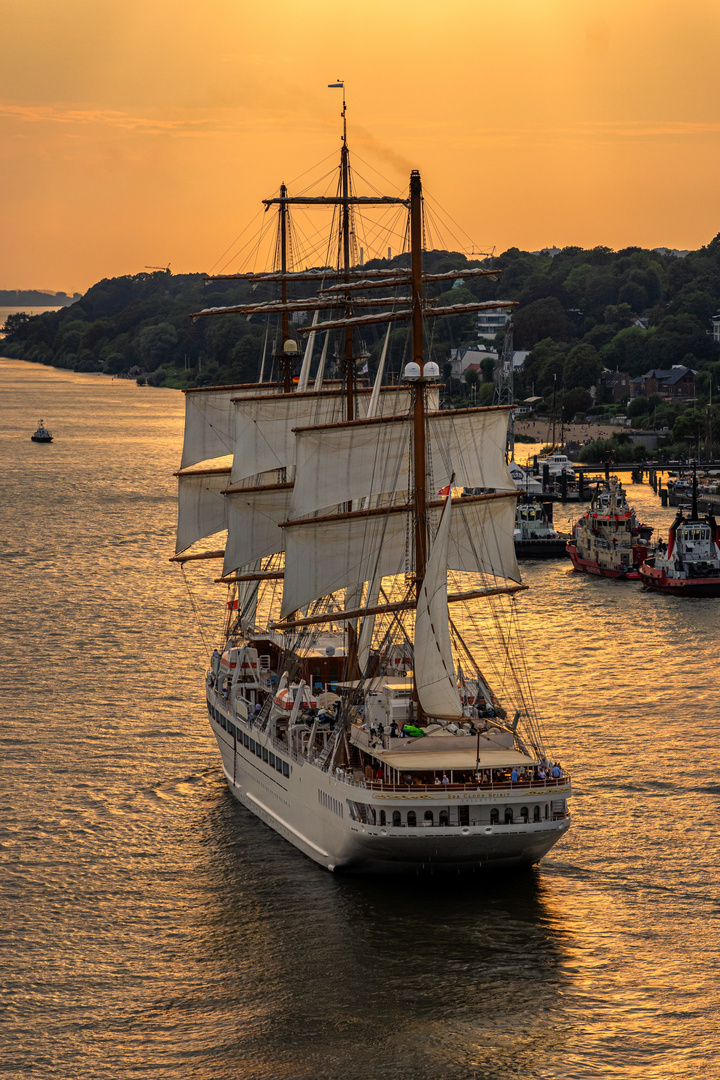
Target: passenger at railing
x=556 y=772
x=380 y=775
x=437 y=781
x=393 y=730
x=541 y=772
x=407 y=779
x=445 y=780
x=513 y=775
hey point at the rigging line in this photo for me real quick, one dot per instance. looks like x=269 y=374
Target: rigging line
x=258 y=216
x=256 y=239
x=441 y=209
x=206 y=647
x=332 y=155
x=389 y=183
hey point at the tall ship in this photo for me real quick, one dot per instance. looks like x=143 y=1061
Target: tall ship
x=369 y=698
x=689 y=564
x=609 y=541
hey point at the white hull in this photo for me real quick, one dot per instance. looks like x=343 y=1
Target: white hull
x=317 y=812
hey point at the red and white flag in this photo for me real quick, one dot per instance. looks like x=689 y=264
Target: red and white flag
x=444 y=491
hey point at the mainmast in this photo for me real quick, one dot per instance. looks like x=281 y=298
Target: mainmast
x=419 y=449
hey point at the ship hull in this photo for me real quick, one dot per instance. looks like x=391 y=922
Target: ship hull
x=540 y=549
x=316 y=812
x=589 y=566
x=657 y=581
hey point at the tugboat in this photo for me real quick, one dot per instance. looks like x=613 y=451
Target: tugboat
x=609 y=540
x=690 y=565
x=42 y=434
x=535 y=537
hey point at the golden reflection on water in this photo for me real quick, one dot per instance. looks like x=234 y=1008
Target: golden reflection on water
x=156 y=926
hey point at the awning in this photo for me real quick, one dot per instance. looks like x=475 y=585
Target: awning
x=466 y=759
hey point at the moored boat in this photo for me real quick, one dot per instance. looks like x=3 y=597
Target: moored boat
x=689 y=564
x=609 y=541
x=535 y=536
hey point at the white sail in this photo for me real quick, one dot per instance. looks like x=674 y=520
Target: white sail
x=321 y=366
x=307 y=359
x=435 y=678
x=201 y=506
x=368 y=625
x=210 y=422
x=351 y=461
x=325 y=555
x=373 y=406
x=253 y=516
x=264 y=433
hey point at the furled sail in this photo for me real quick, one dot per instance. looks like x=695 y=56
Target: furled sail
x=201 y=505
x=435 y=678
x=329 y=553
x=350 y=461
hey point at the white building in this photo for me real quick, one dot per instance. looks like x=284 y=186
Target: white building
x=489 y=323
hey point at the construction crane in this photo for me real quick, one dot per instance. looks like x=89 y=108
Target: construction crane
x=165 y=269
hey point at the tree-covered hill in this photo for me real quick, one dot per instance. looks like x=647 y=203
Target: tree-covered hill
x=579 y=311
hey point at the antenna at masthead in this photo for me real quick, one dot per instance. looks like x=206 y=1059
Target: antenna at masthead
x=340 y=85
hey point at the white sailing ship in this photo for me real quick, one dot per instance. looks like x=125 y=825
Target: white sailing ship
x=357 y=702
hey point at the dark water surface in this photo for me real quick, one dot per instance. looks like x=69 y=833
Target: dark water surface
x=151 y=927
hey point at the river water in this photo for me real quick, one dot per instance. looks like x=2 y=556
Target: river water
x=152 y=927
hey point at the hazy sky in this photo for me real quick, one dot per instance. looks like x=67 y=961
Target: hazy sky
x=147 y=131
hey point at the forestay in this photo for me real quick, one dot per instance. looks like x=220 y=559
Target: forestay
x=322 y=556
x=371 y=457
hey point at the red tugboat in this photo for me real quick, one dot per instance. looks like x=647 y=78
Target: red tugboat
x=609 y=540
x=691 y=564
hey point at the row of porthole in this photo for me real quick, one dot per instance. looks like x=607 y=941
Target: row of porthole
x=368 y=815
x=273 y=760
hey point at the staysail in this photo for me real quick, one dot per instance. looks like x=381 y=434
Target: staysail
x=435 y=679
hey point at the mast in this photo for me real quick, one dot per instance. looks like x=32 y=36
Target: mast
x=345 y=225
x=419 y=448
x=285 y=333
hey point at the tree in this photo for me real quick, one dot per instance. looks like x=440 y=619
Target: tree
x=542 y=319
x=575 y=401
x=156 y=344
x=582 y=367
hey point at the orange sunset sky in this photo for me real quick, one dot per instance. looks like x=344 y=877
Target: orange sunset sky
x=147 y=131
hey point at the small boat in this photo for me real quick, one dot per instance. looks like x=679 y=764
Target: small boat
x=609 y=540
x=535 y=537
x=557 y=476
x=690 y=563
x=524 y=479
x=42 y=434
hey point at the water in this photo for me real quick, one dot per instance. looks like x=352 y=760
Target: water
x=151 y=927
x=5 y=311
